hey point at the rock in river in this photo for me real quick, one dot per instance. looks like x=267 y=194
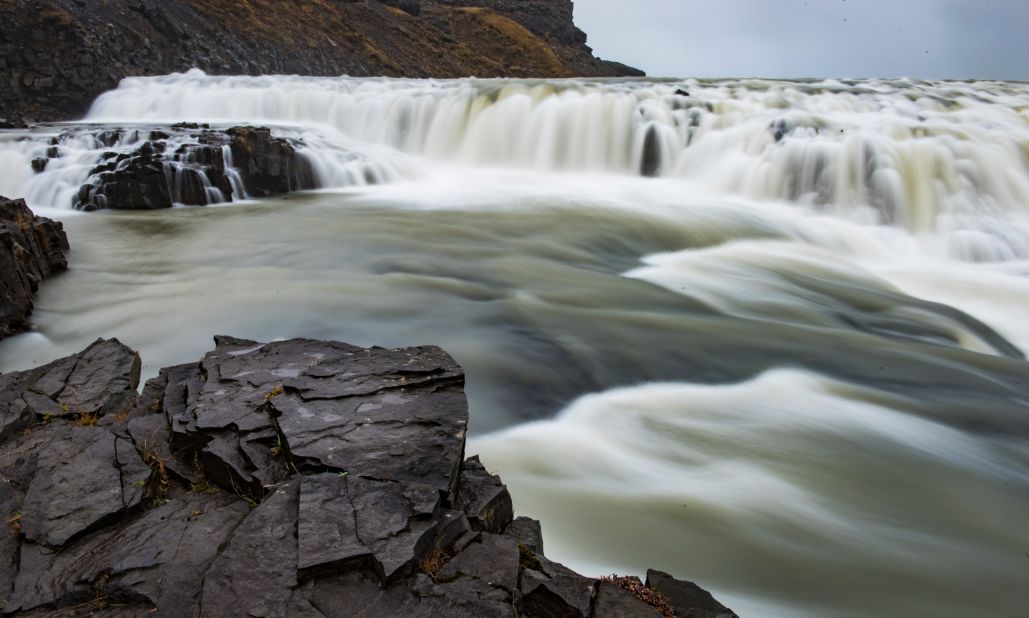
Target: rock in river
x=31 y=249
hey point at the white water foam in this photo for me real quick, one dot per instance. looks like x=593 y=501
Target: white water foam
x=791 y=468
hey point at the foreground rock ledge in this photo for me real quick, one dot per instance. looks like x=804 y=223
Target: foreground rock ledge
x=297 y=478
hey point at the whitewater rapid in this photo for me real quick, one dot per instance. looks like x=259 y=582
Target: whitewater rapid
x=946 y=157
x=769 y=336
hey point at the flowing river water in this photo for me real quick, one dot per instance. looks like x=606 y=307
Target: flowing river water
x=768 y=336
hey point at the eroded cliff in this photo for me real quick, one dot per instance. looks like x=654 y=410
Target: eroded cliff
x=56 y=56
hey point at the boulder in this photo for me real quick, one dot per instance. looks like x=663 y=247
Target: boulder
x=186 y=164
x=136 y=182
x=31 y=249
x=687 y=598
x=613 y=600
x=268 y=165
x=485 y=498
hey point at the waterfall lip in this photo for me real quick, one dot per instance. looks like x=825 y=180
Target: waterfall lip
x=943 y=157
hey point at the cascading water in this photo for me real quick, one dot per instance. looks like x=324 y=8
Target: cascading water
x=768 y=335
x=926 y=156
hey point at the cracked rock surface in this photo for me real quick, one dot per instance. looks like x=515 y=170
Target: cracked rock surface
x=296 y=478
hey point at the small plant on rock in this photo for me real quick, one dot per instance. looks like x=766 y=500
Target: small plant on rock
x=87 y=419
x=277 y=450
x=203 y=487
x=642 y=592
x=527 y=559
x=434 y=563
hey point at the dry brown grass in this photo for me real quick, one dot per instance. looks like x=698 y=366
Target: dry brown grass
x=498 y=37
x=87 y=419
x=434 y=563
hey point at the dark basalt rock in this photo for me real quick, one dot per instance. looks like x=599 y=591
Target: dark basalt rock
x=31 y=249
x=100 y=380
x=268 y=165
x=527 y=532
x=555 y=590
x=613 y=600
x=91 y=475
x=485 y=498
x=296 y=478
x=686 y=598
x=186 y=164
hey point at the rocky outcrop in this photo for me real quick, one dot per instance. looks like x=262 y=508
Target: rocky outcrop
x=31 y=249
x=185 y=164
x=297 y=478
x=267 y=165
x=56 y=56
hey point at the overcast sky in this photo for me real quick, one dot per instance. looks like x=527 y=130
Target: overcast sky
x=812 y=38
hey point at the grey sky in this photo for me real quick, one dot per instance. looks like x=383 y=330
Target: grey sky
x=812 y=38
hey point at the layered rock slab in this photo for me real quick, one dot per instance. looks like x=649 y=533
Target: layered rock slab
x=296 y=478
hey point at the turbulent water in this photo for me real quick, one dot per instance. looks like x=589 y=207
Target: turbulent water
x=768 y=336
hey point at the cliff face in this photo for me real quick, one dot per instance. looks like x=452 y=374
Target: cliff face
x=56 y=56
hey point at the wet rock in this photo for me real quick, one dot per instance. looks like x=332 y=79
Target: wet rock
x=187 y=164
x=268 y=165
x=651 y=163
x=161 y=503
x=98 y=381
x=492 y=560
x=136 y=183
x=526 y=531
x=555 y=590
x=484 y=497
x=327 y=526
x=158 y=560
x=85 y=477
x=31 y=249
x=395 y=521
x=686 y=598
x=256 y=572
x=613 y=600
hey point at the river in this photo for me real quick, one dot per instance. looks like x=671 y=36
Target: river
x=763 y=335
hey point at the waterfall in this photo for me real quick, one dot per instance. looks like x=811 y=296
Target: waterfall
x=922 y=156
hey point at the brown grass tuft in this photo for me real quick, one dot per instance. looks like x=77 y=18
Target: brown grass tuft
x=434 y=563
x=87 y=419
